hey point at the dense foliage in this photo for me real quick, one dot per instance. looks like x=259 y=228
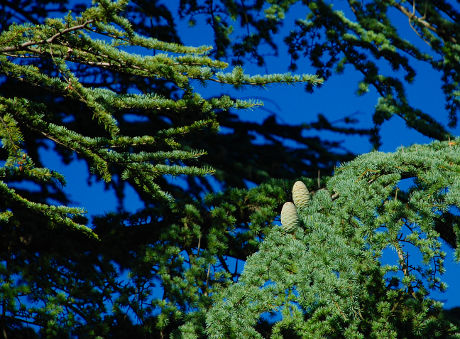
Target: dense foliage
x=321 y=270
x=112 y=84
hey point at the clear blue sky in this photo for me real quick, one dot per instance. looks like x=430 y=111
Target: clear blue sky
x=335 y=99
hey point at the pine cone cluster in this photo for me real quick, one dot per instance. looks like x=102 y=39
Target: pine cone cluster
x=289 y=216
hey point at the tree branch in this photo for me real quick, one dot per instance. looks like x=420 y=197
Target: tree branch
x=411 y=16
x=45 y=41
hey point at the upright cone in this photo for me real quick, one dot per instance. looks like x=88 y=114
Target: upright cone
x=289 y=217
x=300 y=194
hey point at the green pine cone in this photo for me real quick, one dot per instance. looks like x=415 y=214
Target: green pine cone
x=289 y=217
x=300 y=194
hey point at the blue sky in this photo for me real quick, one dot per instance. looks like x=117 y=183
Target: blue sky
x=292 y=104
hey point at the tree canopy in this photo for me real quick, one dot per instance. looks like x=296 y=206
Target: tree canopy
x=112 y=84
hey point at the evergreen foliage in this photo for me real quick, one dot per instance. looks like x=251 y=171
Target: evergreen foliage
x=40 y=268
x=70 y=41
x=115 y=87
x=332 y=35
x=326 y=280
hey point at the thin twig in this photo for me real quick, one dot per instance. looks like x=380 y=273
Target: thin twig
x=207 y=280
x=404 y=265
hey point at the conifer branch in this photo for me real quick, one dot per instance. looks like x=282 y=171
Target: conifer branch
x=25 y=45
x=411 y=16
x=327 y=278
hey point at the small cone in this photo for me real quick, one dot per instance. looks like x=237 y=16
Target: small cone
x=300 y=194
x=289 y=218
